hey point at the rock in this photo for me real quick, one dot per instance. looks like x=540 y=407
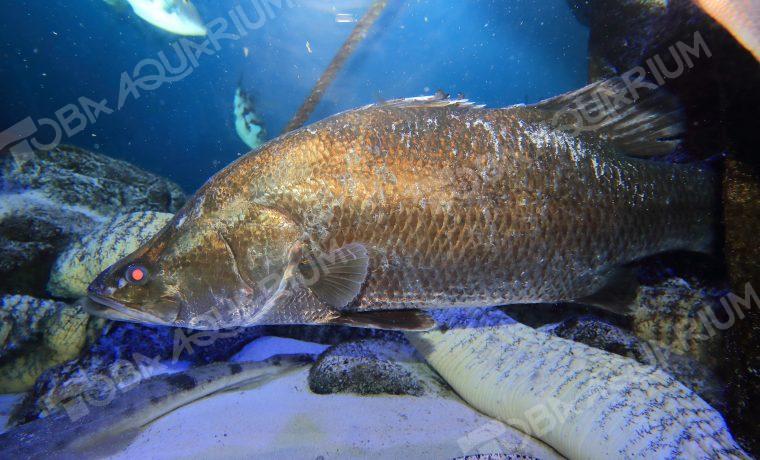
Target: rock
x=604 y=336
x=679 y=316
x=33 y=231
x=673 y=313
x=101 y=184
x=38 y=334
x=620 y=32
x=371 y=366
x=50 y=199
x=83 y=260
x=126 y=347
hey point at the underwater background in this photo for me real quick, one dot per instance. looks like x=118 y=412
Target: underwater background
x=688 y=349
x=492 y=52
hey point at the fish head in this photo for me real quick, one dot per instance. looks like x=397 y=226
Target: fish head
x=207 y=269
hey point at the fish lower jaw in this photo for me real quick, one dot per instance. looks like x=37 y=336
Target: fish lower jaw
x=111 y=309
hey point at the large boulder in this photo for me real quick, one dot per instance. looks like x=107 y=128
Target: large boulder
x=50 y=199
x=33 y=231
x=676 y=314
x=76 y=177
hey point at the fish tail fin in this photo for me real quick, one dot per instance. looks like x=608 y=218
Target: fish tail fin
x=637 y=118
x=695 y=208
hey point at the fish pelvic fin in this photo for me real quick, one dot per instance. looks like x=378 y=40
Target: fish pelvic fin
x=637 y=118
x=617 y=294
x=337 y=277
x=395 y=320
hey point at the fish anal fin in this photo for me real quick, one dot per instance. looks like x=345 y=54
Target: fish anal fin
x=337 y=278
x=396 y=320
x=618 y=293
x=636 y=118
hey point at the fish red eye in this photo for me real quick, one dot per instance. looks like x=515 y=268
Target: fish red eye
x=136 y=274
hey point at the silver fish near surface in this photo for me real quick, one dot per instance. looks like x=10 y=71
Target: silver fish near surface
x=369 y=217
x=176 y=16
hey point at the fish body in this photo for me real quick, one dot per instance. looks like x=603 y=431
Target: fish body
x=584 y=402
x=413 y=204
x=176 y=16
x=248 y=124
x=91 y=431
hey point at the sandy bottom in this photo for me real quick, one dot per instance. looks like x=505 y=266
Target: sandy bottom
x=284 y=419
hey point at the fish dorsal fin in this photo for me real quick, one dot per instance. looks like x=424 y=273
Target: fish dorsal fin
x=396 y=320
x=426 y=102
x=637 y=118
x=337 y=277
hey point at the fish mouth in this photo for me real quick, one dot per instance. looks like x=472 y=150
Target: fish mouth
x=111 y=309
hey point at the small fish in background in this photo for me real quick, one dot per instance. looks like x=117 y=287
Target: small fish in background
x=248 y=124
x=176 y=16
x=740 y=17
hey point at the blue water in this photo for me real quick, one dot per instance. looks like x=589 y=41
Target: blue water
x=54 y=52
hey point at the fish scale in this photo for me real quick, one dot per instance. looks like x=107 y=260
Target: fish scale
x=437 y=244
x=451 y=250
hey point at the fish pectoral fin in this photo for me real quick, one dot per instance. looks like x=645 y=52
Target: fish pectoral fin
x=337 y=276
x=618 y=293
x=637 y=120
x=395 y=320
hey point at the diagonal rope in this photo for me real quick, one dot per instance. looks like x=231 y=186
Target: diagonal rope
x=349 y=46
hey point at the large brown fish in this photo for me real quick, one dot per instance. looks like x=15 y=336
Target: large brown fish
x=370 y=215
